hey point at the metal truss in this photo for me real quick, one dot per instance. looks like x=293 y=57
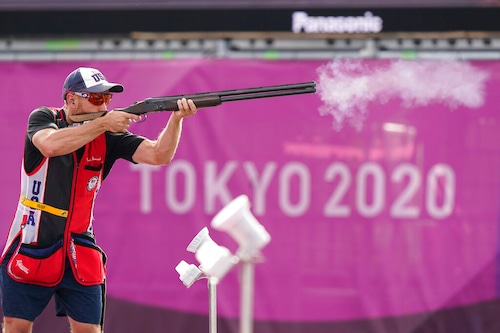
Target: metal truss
x=453 y=45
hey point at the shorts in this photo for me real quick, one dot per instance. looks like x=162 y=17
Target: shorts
x=27 y=301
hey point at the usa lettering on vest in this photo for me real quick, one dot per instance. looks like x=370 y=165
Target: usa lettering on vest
x=35 y=192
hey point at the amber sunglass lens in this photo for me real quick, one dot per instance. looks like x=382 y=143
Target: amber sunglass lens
x=96 y=99
x=99 y=98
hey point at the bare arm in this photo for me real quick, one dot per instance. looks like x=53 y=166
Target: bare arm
x=56 y=142
x=162 y=150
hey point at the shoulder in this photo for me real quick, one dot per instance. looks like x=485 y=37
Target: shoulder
x=41 y=118
x=43 y=112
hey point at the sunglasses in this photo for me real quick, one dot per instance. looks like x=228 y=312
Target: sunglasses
x=95 y=98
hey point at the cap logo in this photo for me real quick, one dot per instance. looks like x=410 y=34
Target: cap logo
x=98 y=77
x=92 y=77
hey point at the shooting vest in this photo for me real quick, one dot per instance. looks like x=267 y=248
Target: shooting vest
x=53 y=221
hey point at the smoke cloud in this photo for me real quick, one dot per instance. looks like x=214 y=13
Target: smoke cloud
x=347 y=87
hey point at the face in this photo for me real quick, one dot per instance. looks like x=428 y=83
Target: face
x=90 y=102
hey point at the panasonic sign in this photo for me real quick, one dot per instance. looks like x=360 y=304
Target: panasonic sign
x=368 y=23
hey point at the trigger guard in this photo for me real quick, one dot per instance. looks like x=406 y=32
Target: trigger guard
x=143 y=118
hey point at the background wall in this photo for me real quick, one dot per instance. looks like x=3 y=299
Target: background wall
x=380 y=193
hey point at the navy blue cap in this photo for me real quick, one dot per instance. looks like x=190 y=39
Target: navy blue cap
x=91 y=80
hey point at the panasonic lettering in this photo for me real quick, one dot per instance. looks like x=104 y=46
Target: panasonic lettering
x=368 y=23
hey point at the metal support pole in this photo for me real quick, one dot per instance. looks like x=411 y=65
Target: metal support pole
x=247 y=291
x=212 y=291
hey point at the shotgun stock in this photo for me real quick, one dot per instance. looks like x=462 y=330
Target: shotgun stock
x=202 y=100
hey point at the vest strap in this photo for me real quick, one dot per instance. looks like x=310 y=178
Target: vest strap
x=43 y=207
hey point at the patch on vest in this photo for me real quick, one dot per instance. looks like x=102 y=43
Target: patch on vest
x=92 y=183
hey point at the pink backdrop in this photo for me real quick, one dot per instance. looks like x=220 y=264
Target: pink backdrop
x=398 y=217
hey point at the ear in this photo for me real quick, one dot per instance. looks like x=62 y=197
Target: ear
x=68 y=99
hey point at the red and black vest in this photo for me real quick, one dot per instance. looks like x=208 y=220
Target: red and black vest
x=53 y=221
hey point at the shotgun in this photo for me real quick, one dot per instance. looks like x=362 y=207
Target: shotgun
x=202 y=100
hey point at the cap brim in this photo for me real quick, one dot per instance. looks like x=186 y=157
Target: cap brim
x=112 y=87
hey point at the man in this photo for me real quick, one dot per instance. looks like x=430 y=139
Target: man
x=51 y=249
